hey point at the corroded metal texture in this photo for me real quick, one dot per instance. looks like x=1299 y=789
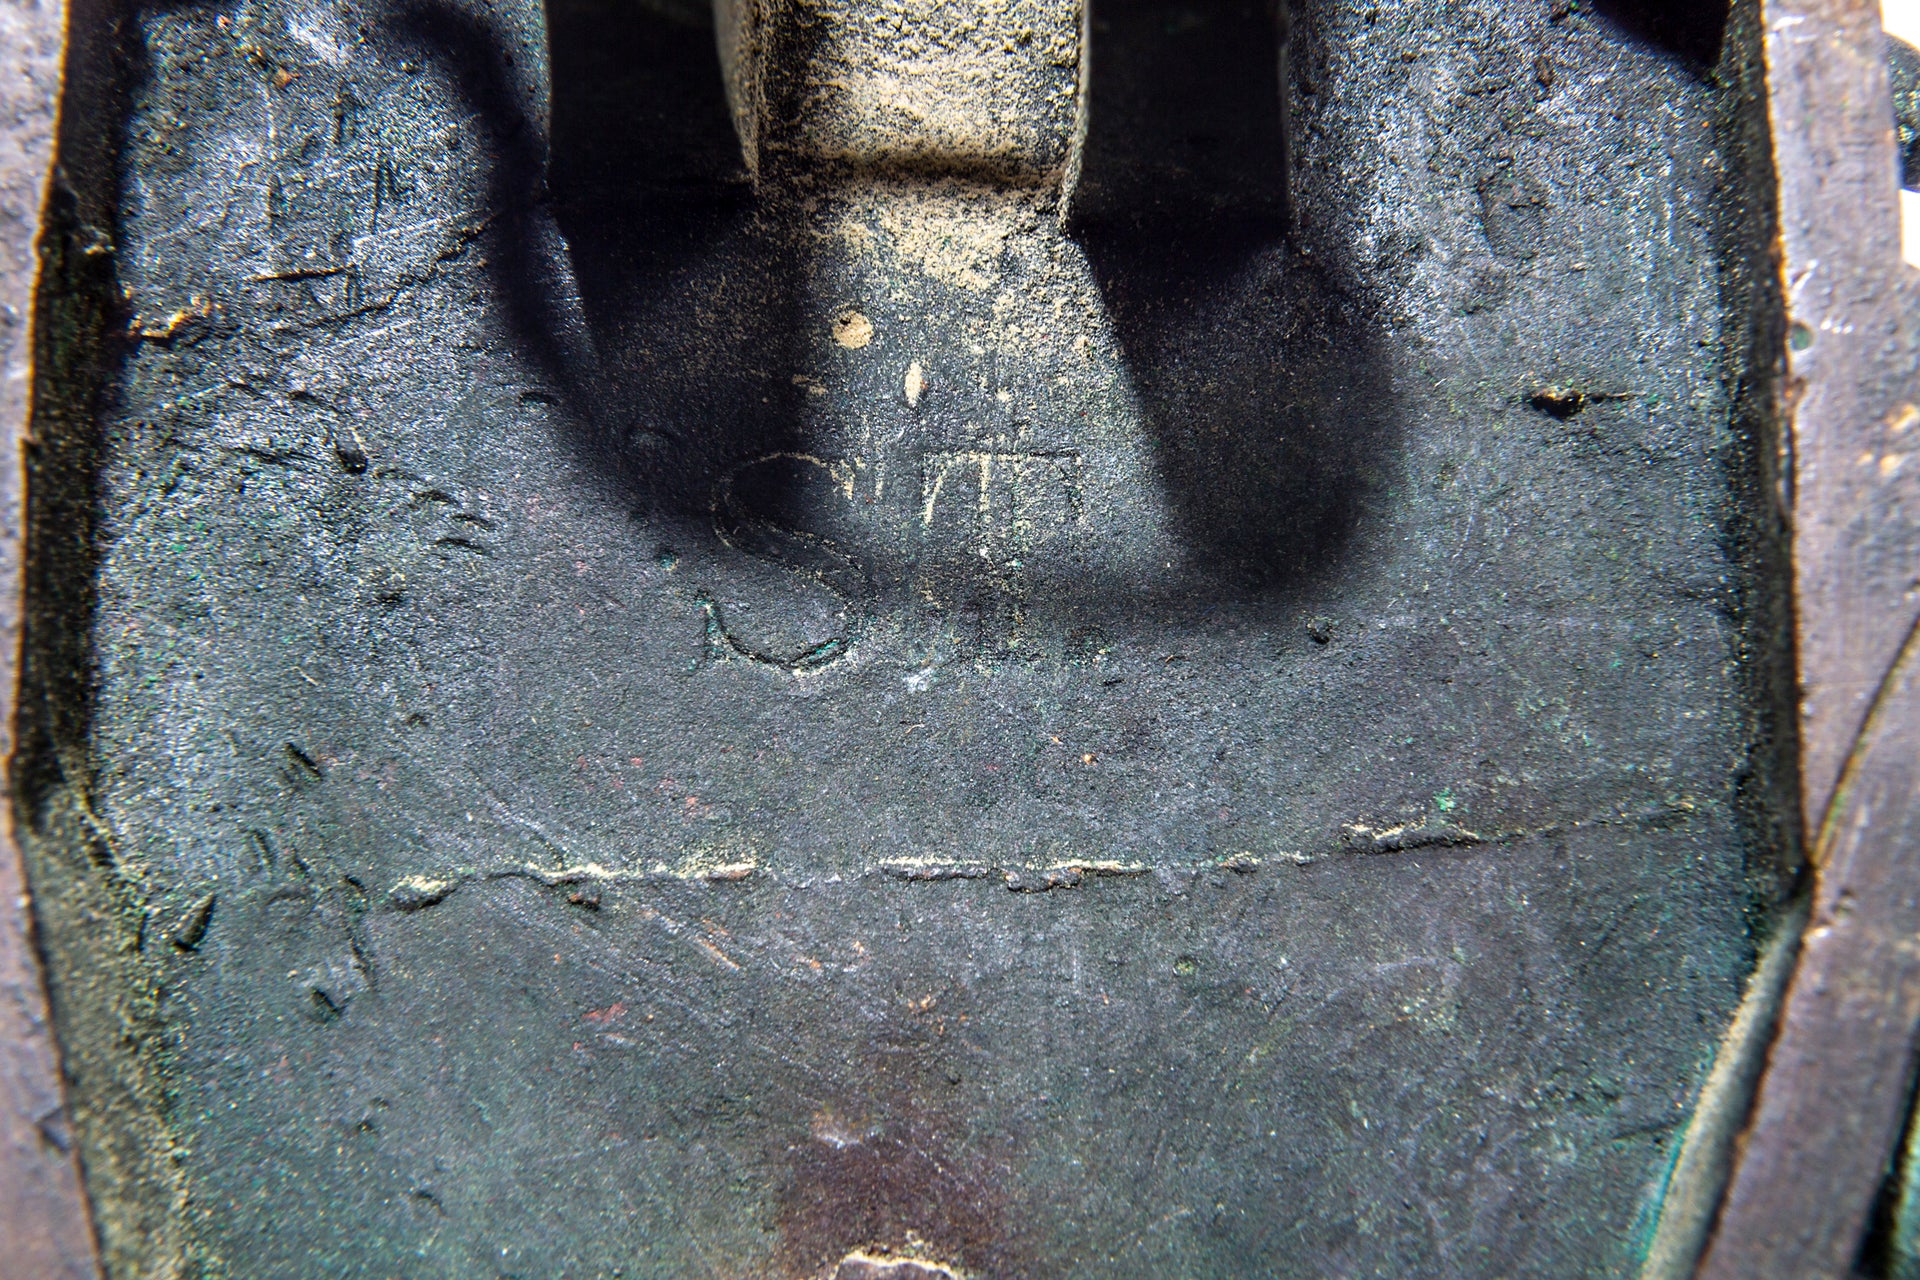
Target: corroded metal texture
x=675 y=674
x=44 y=1225
x=903 y=86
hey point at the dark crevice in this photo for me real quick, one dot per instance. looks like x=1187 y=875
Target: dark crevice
x=1890 y=1247
x=1186 y=112
x=634 y=264
x=1903 y=75
x=1755 y=537
x=1692 y=30
x=1262 y=374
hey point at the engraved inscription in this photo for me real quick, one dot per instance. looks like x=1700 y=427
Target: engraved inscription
x=845 y=544
x=1000 y=503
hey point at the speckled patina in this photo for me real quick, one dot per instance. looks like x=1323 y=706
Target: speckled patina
x=601 y=590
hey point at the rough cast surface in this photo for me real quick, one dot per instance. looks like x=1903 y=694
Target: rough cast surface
x=585 y=646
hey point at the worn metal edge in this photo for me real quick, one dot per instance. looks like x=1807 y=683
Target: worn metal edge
x=1688 y=1195
x=46 y=1229
x=1831 y=1104
x=1827 y=1111
x=1703 y=1164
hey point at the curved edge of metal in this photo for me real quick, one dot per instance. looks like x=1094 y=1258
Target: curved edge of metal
x=1831 y=1099
x=1702 y=1166
x=46 y=1229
